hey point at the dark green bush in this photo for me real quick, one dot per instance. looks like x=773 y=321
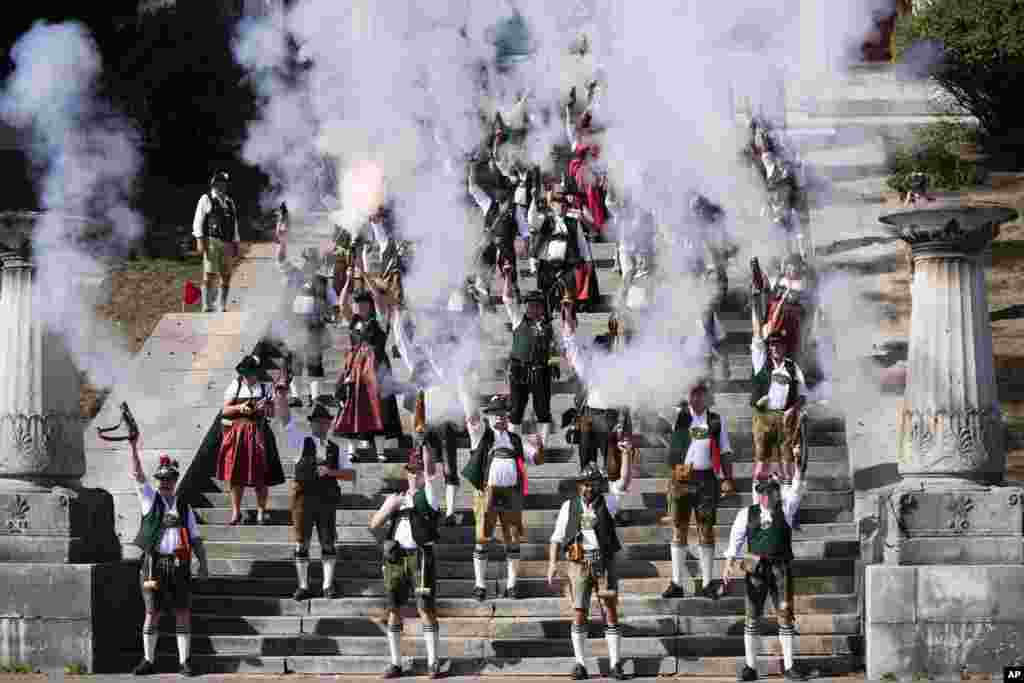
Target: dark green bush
x=975 y=50
x=932 y=151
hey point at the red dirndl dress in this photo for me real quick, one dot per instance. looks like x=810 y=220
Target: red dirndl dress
x=248 y=453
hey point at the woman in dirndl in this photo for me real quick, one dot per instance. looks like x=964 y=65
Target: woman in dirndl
x=248 y=454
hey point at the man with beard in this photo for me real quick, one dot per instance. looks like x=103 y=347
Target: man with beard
x=699 y=456
x=585 y=530
x=766 y=528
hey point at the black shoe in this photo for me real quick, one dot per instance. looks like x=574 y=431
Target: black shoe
x=795 y=674
x=512 y=593
x=294 y=402
x=617 y=673
x=330 y=593
x=435 y=671
x=622 y=518
x=450 y=520
x=185 y=669
x=748 y=674
x=302 y=594
x=144 y=668
x=674 y=590
x=579 y=673
x=393 y=672
x=479 y=593
x=709 y=591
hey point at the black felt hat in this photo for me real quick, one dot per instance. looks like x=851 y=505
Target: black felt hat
x=220 y=177
x=498 y=405
x=591 y=473
x=251 y=366
x=167 y=469
x=362 y=296
x=320 y=412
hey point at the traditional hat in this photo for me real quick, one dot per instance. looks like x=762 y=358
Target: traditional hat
x=320 y=412
x=592 y=473
x=220 y=176
x=167 y=469
x=775 y=336
x=534 y=296
x=700 y=385
x=251 y=366
x=766 y=485
x=498 y=405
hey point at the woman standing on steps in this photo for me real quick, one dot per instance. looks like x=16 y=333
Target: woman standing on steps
x=248 y=454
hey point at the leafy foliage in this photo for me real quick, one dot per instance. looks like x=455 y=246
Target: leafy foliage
x=931 y=151
x=979 y=57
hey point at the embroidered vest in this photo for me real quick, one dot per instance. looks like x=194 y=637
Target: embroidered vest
x=775 y=541
x=153 y=523
x=219 y=222
x=681 y=439
x=604 y=525
x=763 y=382
x=422 y=518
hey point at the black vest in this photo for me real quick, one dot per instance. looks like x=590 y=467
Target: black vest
x=477 y=470
x=775 y=541
x=305 y=469
x=680 y=439
x=531 y=342
x=604 y=525
x=151 y=530
x=422 y=518
x=219 y=222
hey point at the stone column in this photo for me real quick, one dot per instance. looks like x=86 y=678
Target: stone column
x=41 y=443
x=951 y=425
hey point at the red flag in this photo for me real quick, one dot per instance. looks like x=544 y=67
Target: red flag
x=192 y=293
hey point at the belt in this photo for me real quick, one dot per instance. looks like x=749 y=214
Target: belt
x=504 y=457
x=602 y=411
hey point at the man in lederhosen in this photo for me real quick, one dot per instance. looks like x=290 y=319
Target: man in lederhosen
x=497 y=470
x=168 y=537
x=530 y=366
x=315 y=492
x=699 y=456
x=497 y=243
x=409 y=523
x=766 y=528
x=585 y=529
x=215 y=227
x=556 y=241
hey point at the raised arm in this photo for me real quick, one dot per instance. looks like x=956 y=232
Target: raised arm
x=476 y=192
x=137 y=473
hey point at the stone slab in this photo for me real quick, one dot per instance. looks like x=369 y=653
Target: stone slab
x=963 y=551
x=964 y=594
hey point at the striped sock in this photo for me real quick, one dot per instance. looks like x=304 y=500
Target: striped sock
x=579 y=638
x=751 y=643
x=430 y=637
x=149 y=638
x=786 y=638
x=184 y=643
x=395 y=644
x=611 y=634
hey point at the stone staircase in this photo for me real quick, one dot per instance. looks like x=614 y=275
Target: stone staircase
x=245 y=620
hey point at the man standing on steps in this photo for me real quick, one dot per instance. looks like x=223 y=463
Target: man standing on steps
x=409 y=522
x=215 y=227
x=585 y=529
x=530 y=366
x=168 y=537
x=699 y=456
x=315 y=491
x=766 y=527
x=497 y=470
x=778 y=399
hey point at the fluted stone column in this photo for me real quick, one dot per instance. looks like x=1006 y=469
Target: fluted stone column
x=41 y=443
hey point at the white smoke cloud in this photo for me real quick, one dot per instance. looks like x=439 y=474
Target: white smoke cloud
x=85 y=156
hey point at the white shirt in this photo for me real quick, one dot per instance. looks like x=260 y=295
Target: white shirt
x=790 y=507
x=515 y=310
x=204 y=207
x=296 y=438
x=480 y=197
x=403 y=530
x=171 y=538
x=503 y=471
x=779 y=388
x=245 y=392
x=699 y=452
x=586 y=521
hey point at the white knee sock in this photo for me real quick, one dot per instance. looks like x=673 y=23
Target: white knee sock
x=302 y=570
x=480 y=566
x=430 y=638
x=149 y=638
x=611 y=634
x=544 y=429
x=395 y=644
x=513 y=571
x=449 y=498
x=786 y=638
x=751 y=644
x=678 y=551
x=707 y=556
x=184 y=641
x=378 y=444
x=329 y=563
x=579 y=640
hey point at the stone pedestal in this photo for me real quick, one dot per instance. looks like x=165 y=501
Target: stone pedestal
x=953 y=550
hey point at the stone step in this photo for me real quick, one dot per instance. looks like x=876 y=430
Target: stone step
x=701 y=668
x=507 y=627
x=377 y=646
x=656 y=549
x=450 y=588
x=347 y=517
x=730 y=606
x=654 y=498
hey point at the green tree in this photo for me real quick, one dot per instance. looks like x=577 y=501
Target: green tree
x=978 y=58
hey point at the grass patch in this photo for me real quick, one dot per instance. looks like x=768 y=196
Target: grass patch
x=17 y=669
x=1009 y=250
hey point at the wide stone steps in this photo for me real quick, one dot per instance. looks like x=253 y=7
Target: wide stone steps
x=375 y=624
x=653 y=549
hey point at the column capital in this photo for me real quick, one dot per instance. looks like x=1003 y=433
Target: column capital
x=949 y=230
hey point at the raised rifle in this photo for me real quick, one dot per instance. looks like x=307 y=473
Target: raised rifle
x=758 y=286
x=127 y=421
